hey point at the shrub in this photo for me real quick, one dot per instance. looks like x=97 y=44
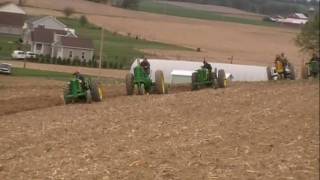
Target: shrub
x=68 y=11
x=76 y=61
x=64 y=61
x=89 y=63
x=83 y=20
x=68 y=61
x=84 y=62
x=59 y=60
x=47 y=59
x=54 y=60
x=104 y=64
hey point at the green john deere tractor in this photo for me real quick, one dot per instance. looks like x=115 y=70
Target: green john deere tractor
x=311 y=69
x=78 y=91
x=141 y=83
x=205 y=78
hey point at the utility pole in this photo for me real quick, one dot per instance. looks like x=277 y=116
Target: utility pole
x=101 y=48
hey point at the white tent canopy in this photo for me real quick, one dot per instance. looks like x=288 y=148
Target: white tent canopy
x=184 y=68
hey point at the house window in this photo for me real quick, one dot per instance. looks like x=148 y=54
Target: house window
x=70 y=54
x=83 y=54
x=38 y=47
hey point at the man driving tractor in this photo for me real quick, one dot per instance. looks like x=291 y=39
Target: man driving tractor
x=80 y=77
x=145 y=65
x=208 y=66
x=279 y=66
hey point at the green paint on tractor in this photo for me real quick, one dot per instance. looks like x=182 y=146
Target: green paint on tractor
x=78 y=91
x=205 y=78
x=141 y=83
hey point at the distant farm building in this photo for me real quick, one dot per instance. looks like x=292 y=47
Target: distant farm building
x=12 y=19
x=50 y=37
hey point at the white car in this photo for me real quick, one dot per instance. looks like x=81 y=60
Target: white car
x=5 y=68
x=30 y=55
x=17 y=54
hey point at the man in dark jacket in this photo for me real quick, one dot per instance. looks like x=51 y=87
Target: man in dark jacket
x=208 y=66
x=145 y=65
x=80 y=77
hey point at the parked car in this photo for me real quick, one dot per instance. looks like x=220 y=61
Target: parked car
x=30 y=55
x=17 y=54
x=5 y=68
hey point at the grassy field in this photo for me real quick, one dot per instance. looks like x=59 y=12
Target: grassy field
x=21 y=72
x=160 y=8
x=60 y=76
x=116 y=47
x=7 y=45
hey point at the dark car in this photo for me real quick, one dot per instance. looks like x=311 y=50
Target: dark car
x=5 y=68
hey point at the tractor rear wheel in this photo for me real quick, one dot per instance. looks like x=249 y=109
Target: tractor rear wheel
x=222 y=79
x=194 y=81
x=88 y=96
x=269 y=74
x=292 y=72
x=160 y=85
x=214 y=80
x=129 y=83
x=96 y=92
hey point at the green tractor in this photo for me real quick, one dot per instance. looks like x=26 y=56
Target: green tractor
x=311 y=69
x=78 y=91
x=205 y=78
x=141 y=83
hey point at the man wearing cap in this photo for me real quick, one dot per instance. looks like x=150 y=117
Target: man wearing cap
x=80 y=77
x=208 y=66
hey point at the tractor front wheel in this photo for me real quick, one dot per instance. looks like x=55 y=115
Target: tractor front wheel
x=129 y=84
x=96 y=92
x=269 y=74
x=160 y=85
x=141 y=89
x=222 y=79
x=194 y=81
x=88 y=96
x=292 y=72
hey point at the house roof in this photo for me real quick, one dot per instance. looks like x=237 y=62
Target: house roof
x=41 y=34
x=40 y=19
x=77 y=42
x=12 y=19
x=11 y=8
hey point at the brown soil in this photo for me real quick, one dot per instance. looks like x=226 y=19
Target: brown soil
x=248 y=131
x=227 y=11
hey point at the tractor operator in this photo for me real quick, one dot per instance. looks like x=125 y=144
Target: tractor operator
x=285 y=63
x=145 y=65
x=80 y=77
x=208 y=66
x=315 y=58
x=279 y=66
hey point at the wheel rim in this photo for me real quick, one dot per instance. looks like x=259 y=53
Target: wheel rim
x=162 y=84
x=100 y=93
